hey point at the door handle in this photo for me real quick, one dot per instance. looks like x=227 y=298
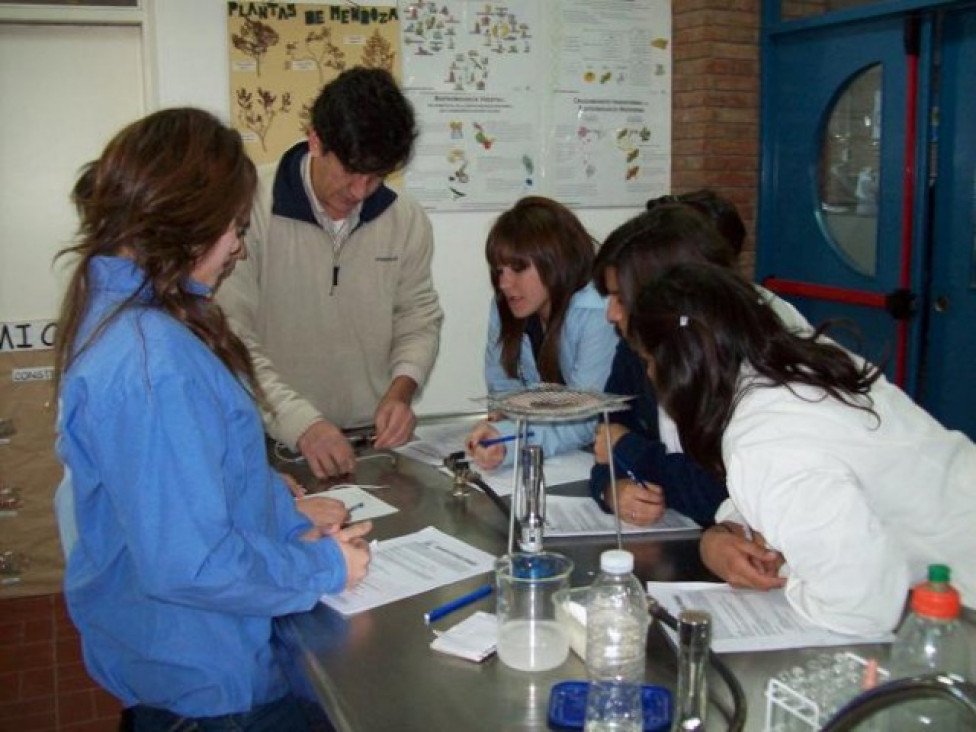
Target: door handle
x=941 y=304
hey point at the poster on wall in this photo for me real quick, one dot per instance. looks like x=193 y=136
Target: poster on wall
x=475 y=73
x=610 y=141
x=281 y=54
x=570 y=100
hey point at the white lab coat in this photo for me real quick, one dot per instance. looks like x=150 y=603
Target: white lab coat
x=792 y=319
x=858 y=509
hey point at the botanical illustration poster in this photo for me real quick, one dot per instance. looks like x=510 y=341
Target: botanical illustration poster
x=568 y=99
x=281 y=54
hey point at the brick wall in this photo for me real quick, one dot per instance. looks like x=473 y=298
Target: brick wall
x=715 y=97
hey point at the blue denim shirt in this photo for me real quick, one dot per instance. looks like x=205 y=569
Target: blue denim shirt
x=183 y=543
x=586 y=348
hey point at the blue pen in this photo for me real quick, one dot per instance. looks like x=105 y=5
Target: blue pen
x=489 y=441
x=632 y=475
x=449 y=607
x=630 y=472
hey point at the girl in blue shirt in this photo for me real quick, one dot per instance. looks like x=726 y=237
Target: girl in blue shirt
x=182 y=544
x=547 y=323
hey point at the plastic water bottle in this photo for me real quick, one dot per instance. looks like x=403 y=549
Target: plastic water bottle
x=931 y=640
x=616 y=644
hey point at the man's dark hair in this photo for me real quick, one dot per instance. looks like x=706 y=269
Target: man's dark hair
x=365 y=120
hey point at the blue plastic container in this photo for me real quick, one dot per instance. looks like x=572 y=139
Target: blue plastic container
x=567 y=706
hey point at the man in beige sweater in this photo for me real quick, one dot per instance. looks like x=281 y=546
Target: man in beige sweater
x=336 y=300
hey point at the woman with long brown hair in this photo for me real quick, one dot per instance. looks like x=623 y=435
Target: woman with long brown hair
x=182 y=544
x=657 y=473
x=852 y=483
x=547 y=322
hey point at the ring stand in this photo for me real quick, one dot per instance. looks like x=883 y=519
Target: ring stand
x=553 y=403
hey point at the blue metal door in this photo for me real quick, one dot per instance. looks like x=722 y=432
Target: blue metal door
x=947 y=385
x=858 y=220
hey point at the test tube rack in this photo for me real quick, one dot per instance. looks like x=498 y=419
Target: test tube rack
x=804 y=698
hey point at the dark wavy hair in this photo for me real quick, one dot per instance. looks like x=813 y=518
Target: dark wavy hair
x=365 y=120
x=641 y=248
x=699 y=325
x=546 y=234
x=163 y=192
x=716 y=208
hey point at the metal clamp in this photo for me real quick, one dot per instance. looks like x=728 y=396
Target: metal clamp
x=460 y=468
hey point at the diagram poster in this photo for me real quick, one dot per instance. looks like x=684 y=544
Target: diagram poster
x=610 y=140
x=474 y=72
x=281 y=54
x=568 y=99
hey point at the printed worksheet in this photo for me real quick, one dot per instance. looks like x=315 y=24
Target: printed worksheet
x=409 y=565
x=750 y=620
x=434 y=442
x=569 y=467
x=581 y=516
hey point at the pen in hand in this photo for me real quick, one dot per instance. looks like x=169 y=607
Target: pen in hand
x=489 y=441
x=630 y=473
x=449 y=607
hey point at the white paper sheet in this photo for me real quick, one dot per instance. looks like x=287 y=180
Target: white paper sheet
x=409 y=565
x=569 y=467
x=581 y=516
x=360 y=503
x=750 y=620
x=434 y=442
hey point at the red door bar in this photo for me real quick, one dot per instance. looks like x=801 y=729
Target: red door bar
x=826 y=292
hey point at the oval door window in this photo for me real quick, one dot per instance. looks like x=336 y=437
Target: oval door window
x=849 y=172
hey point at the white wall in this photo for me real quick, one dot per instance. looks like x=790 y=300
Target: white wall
x=56 y=118
x=190 y=39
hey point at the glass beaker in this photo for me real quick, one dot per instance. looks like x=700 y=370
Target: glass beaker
x=529 y=636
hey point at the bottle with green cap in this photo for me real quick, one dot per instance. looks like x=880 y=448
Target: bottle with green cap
x=931 y=640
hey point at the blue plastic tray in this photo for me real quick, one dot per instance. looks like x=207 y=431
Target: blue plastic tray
x=567 y=706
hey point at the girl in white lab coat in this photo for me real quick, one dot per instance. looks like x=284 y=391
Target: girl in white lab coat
x=830 y=468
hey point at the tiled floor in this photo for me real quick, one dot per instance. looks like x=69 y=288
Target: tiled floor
x=43 y=684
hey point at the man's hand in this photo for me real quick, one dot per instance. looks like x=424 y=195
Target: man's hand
x=638 y=505
x=730 y=554
x=600 y=440
x=326 y=514
x=394 y=418
x=486 y=458
x=327 y=450
x=355 y=550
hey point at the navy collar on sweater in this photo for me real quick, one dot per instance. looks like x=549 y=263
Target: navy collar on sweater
x=290 y=200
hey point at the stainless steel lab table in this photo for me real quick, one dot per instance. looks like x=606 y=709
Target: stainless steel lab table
x=375 y=671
